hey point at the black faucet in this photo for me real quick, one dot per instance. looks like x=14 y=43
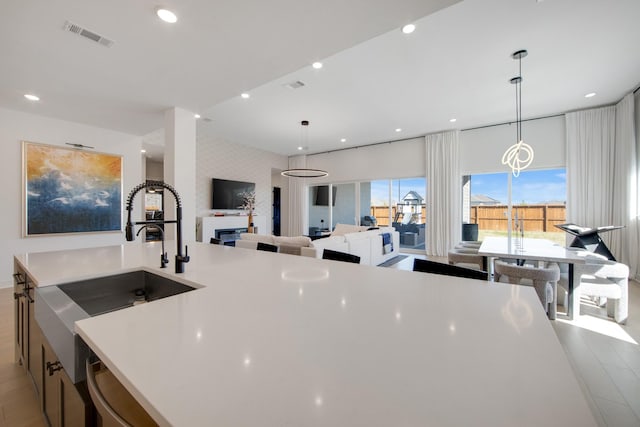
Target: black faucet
x=163 y=256
x=130 y=227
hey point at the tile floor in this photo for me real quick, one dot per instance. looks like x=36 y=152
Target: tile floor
x=605 y=357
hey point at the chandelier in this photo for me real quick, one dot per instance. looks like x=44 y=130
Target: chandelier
x=520 y=155
x=304 y=172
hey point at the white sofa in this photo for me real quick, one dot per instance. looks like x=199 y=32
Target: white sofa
x=288 y=245
x=357 y=240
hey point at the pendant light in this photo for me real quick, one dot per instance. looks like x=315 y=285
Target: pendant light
x=520 y=155
x=304 y=172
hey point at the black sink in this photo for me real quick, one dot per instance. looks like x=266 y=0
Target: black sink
x=105 y=294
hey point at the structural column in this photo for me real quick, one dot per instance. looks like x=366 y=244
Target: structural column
x=180 y=169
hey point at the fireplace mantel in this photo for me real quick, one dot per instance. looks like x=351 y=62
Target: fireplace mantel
x=207 y=225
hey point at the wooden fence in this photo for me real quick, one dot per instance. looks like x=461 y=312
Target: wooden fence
x=382 y=214
x=535 y=217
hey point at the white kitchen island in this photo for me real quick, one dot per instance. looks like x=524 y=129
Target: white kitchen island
x=281 y=340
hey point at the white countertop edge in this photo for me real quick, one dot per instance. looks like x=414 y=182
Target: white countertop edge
x=139 y=397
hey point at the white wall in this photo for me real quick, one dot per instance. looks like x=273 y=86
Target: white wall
x=17 y=126
x=480 y=152
x=402 y=159
x=218 y=159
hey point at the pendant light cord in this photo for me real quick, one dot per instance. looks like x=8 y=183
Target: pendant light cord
x=519 y=101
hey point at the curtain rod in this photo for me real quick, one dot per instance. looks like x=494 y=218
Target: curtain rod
x=510 y=123
x=366 y=145
x=422 y=136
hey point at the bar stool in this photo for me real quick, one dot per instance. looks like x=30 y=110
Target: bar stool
x=545 y=281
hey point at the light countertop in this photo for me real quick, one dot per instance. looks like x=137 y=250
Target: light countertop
x=281 y=340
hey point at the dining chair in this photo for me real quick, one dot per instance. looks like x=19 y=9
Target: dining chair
x=340 y=256
x=603 y=279
x=468 y=258
x=545 y=281
x=266 y=247
x=426 y=266
x=475 y=244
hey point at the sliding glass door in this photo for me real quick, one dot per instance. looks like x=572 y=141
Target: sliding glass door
x=318 y=210
x=408 y=198
x=538 y=199
x=344 y=205
x=397 y=203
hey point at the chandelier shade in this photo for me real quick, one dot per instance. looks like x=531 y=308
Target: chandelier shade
x=304 y=172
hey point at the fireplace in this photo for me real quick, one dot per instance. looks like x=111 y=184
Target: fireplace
x=229 y=235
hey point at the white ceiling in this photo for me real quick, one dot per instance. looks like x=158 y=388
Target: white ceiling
x=217 y=49
x=375 y=79
x=457 y=64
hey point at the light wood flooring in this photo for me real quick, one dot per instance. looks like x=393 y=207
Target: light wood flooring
x=605 y=357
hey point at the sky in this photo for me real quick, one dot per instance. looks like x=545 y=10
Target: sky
x=530 y=187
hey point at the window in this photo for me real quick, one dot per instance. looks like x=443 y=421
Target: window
x=400 y=203
x=538 y=199
x=344 y=207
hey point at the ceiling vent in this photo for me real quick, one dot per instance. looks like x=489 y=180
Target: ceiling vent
x=294 y=85
x=76 y=29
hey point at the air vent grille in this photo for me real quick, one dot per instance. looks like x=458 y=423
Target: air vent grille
x=77 y=29
x=294 y=85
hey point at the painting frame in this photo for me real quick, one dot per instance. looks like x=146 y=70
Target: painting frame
x=70 y=191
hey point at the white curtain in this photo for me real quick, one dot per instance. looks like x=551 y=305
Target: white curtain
x=444 y=192
x=602 y=181
x=298 y=199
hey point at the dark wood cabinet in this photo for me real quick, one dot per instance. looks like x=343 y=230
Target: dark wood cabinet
x=63 y=403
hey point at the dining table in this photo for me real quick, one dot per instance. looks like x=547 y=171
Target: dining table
x=540 y=250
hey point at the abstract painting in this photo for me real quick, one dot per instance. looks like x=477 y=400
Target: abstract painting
x=68 y=190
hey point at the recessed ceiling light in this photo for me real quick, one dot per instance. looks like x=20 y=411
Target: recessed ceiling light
x=343 y=140
x=245 y=95
x=590 y=95
x=317 y=65
x=197 y=116
x=453 y=120
x=166 y=15
x=300 y=148
x=143 y=151
x=398 y=130
x=408 y=29
x=31 y=97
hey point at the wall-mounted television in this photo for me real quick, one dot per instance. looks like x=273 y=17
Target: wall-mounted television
x=322 y=196
x=226 y=194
